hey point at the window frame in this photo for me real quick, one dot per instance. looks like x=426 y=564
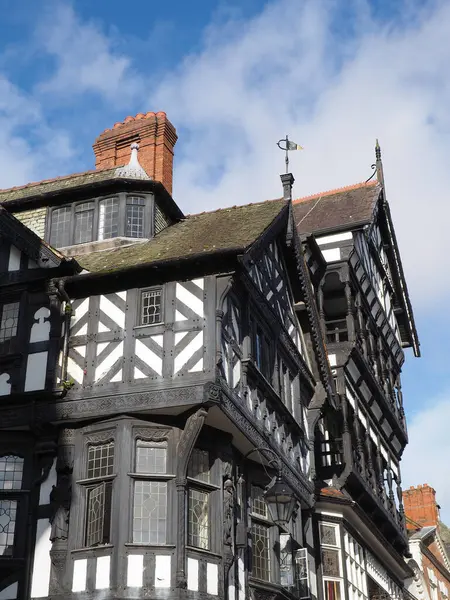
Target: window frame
x=141 y=291
x=212 y=489
x=12 y=345
x=122 y=197
x=86 y=485
x=335 y=547
x=168 y=477
x=273 y=538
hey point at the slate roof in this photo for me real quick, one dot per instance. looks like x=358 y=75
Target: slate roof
x=57 y=185
x=337 y=208
x=229 y=229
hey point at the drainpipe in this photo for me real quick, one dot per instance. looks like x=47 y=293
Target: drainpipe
x=68 y=311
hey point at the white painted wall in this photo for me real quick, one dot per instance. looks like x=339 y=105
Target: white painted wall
x=102 y=572
x=40 y=580
x=135 y=570
x=192 y=574
x=10 y=592
x=36 y=371
x=79 y=575
x=162 y=571
x=212 y=579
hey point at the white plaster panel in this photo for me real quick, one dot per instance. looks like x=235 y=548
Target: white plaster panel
x=10 y=592
x=40 y=331
x=241 y=576
x=36 y=371
x=79 y=575
x=117 y=376
x=332 y=359
x=199 y=283
x=80 y=312
x=212 y=579
x=189 y=300
x=331 y=254
x=158 y=339
x=138 y=374
x=335 y=237
x=46 y=486
x=179 y=335
x=197 y=367
x=187 y=352
x=102 y=572
x=162 y=571
x=362 y=418
x=149 y=357
x=112 y=311
x=135 y=570
x=5 y=386
x=14 y=259
x=40 y=580
x=74 y=371
x=179 y=316
x=192 y=574
x=122 y=295
x=103 y=368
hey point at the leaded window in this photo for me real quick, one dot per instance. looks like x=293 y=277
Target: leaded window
x=84 y=222
x=9 y=321
x=108 y=220
x=355 y=566
x=135 y=217
x=11 y=482
x=60 y=234
x=11 y=472
x=151 y=306
x=260 y=531
x=302 y=573
x=150 y=495
x=200 y=490
x=100 y=470
x=331 y=560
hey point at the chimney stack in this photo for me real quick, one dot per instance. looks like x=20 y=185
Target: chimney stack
x=420 y=506
x=156 y=137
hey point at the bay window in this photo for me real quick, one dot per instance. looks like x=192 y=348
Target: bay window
x=260 y=530
x=100 y=219
x=331 y=560
x=201 y=487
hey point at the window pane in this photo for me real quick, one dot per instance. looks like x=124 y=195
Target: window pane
x=95 y=515
x=100 y=460
x=330 y=562
x=108 y=224
x=150 y=512
x=198 y=520
x=60 y=228
x=259 y=506
x=10 y=319
x=84 y=220
x=332 y=590
x=135 y=217
x=260 y=552
x=150 y=307
x=11 y=470
x=328 y=534
x=151 y=457
x=198 y=467
x=8 y=512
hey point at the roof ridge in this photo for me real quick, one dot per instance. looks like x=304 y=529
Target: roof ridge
x=209 y=212
x=340 y=190
x=161 y=114
x=53 y=179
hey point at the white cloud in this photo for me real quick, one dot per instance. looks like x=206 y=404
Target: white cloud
x=427 y=454
x=291 y=70
x=87 y=60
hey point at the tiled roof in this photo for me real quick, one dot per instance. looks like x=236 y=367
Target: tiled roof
x=226 y=229
x=57 y=185
x=332 y=492
x=342 y=207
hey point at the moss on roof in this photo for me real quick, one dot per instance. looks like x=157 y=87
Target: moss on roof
x=226 y=229
x=57 y=185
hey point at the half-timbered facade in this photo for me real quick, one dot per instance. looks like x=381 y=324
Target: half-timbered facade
x=367 y=322
x=158 y=372
x=152 y=367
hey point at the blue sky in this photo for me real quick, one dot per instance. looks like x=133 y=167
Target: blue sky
x=234 y=76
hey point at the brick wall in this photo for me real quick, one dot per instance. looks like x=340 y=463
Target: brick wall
x=156 y=137
x=34 y=220
x=420 y=506
x=435 y=581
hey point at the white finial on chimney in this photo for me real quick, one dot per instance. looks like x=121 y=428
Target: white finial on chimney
x=133 y=169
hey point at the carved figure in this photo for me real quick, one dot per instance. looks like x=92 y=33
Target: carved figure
x=60 y=498
x=228 y=511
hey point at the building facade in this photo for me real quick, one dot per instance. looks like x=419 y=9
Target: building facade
x=159 y=372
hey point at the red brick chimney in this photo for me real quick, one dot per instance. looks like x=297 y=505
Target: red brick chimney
x=420 y=506
x=156 y=137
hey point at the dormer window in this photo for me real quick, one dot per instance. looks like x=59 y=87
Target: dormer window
x=101 y=219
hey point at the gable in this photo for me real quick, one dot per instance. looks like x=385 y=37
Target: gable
x=268 y=273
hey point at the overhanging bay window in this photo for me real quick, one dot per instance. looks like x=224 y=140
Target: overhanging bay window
x=121 y=215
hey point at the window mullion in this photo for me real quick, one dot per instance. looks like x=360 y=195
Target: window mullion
x=122 y=224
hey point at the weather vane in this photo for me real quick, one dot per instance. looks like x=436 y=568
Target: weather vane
x=288 y=145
